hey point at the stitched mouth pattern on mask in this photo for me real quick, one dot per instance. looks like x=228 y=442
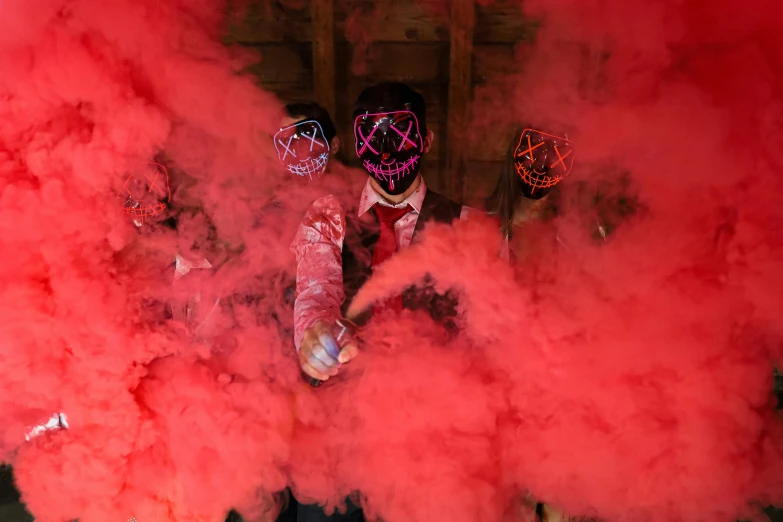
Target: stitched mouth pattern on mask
x=309 y=167
x=537 y=180
x=146 y=211
x=387 y=174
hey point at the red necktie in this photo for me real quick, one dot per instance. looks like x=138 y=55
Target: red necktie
x=387 y=246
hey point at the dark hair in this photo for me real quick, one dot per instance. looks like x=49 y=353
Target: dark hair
x=392 y=96
x=503 y=199
x=313 y=111
x=510 y=189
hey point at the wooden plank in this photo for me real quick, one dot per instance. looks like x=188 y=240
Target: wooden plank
x=492 y=60
x=266 y=21
x=390 y=21
x=291 y=92
x=410 y=63
x=284 y=63
x=269 y=21
x=432 y=171
x=322 y=14
x=463 y=17
x=480 y=180
x=277 y=21
x=491 y=140
x=503 y=22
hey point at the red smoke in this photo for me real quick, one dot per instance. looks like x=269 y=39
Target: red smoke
x=629 y=380
x=154 y=417
x=638 y=372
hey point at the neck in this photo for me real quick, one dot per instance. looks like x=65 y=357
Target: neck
x=399 y=198
x=528 y=209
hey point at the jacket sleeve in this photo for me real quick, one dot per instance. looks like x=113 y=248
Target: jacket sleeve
x=319 y=274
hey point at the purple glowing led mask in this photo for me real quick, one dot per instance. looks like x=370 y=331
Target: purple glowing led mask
x=303 y=149
x=390 y=146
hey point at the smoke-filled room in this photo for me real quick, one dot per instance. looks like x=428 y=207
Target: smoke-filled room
x=391 y=261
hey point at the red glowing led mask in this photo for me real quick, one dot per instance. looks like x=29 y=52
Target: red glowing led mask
x=390 y=147
x=145 y=191
x=303 y=149
x=542 y=160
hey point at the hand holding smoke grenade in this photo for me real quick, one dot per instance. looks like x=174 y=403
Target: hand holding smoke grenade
x=344 y=331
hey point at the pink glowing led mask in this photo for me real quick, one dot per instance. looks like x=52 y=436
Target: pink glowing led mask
x=542 y=160
x=145 y=191
x=303 y=149
x=390 y=146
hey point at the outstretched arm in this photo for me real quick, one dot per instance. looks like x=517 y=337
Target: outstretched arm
x=319 y=275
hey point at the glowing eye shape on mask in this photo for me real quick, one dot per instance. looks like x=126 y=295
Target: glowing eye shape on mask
x=302 y=148
x=398 y=131
x=145 y=191
x=542 y=160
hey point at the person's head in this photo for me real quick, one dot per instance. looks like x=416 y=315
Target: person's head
x=391 y=135
x=145 y=192
x=306 y=140
x=535 y=163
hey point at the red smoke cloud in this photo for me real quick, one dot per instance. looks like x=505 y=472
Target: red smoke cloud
x=638 y=373
x=629 y=380
x=155 y=417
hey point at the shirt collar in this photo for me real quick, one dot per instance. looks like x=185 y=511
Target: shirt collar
x=370 y=198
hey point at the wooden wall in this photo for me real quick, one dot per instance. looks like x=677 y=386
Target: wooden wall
x=409 y=44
